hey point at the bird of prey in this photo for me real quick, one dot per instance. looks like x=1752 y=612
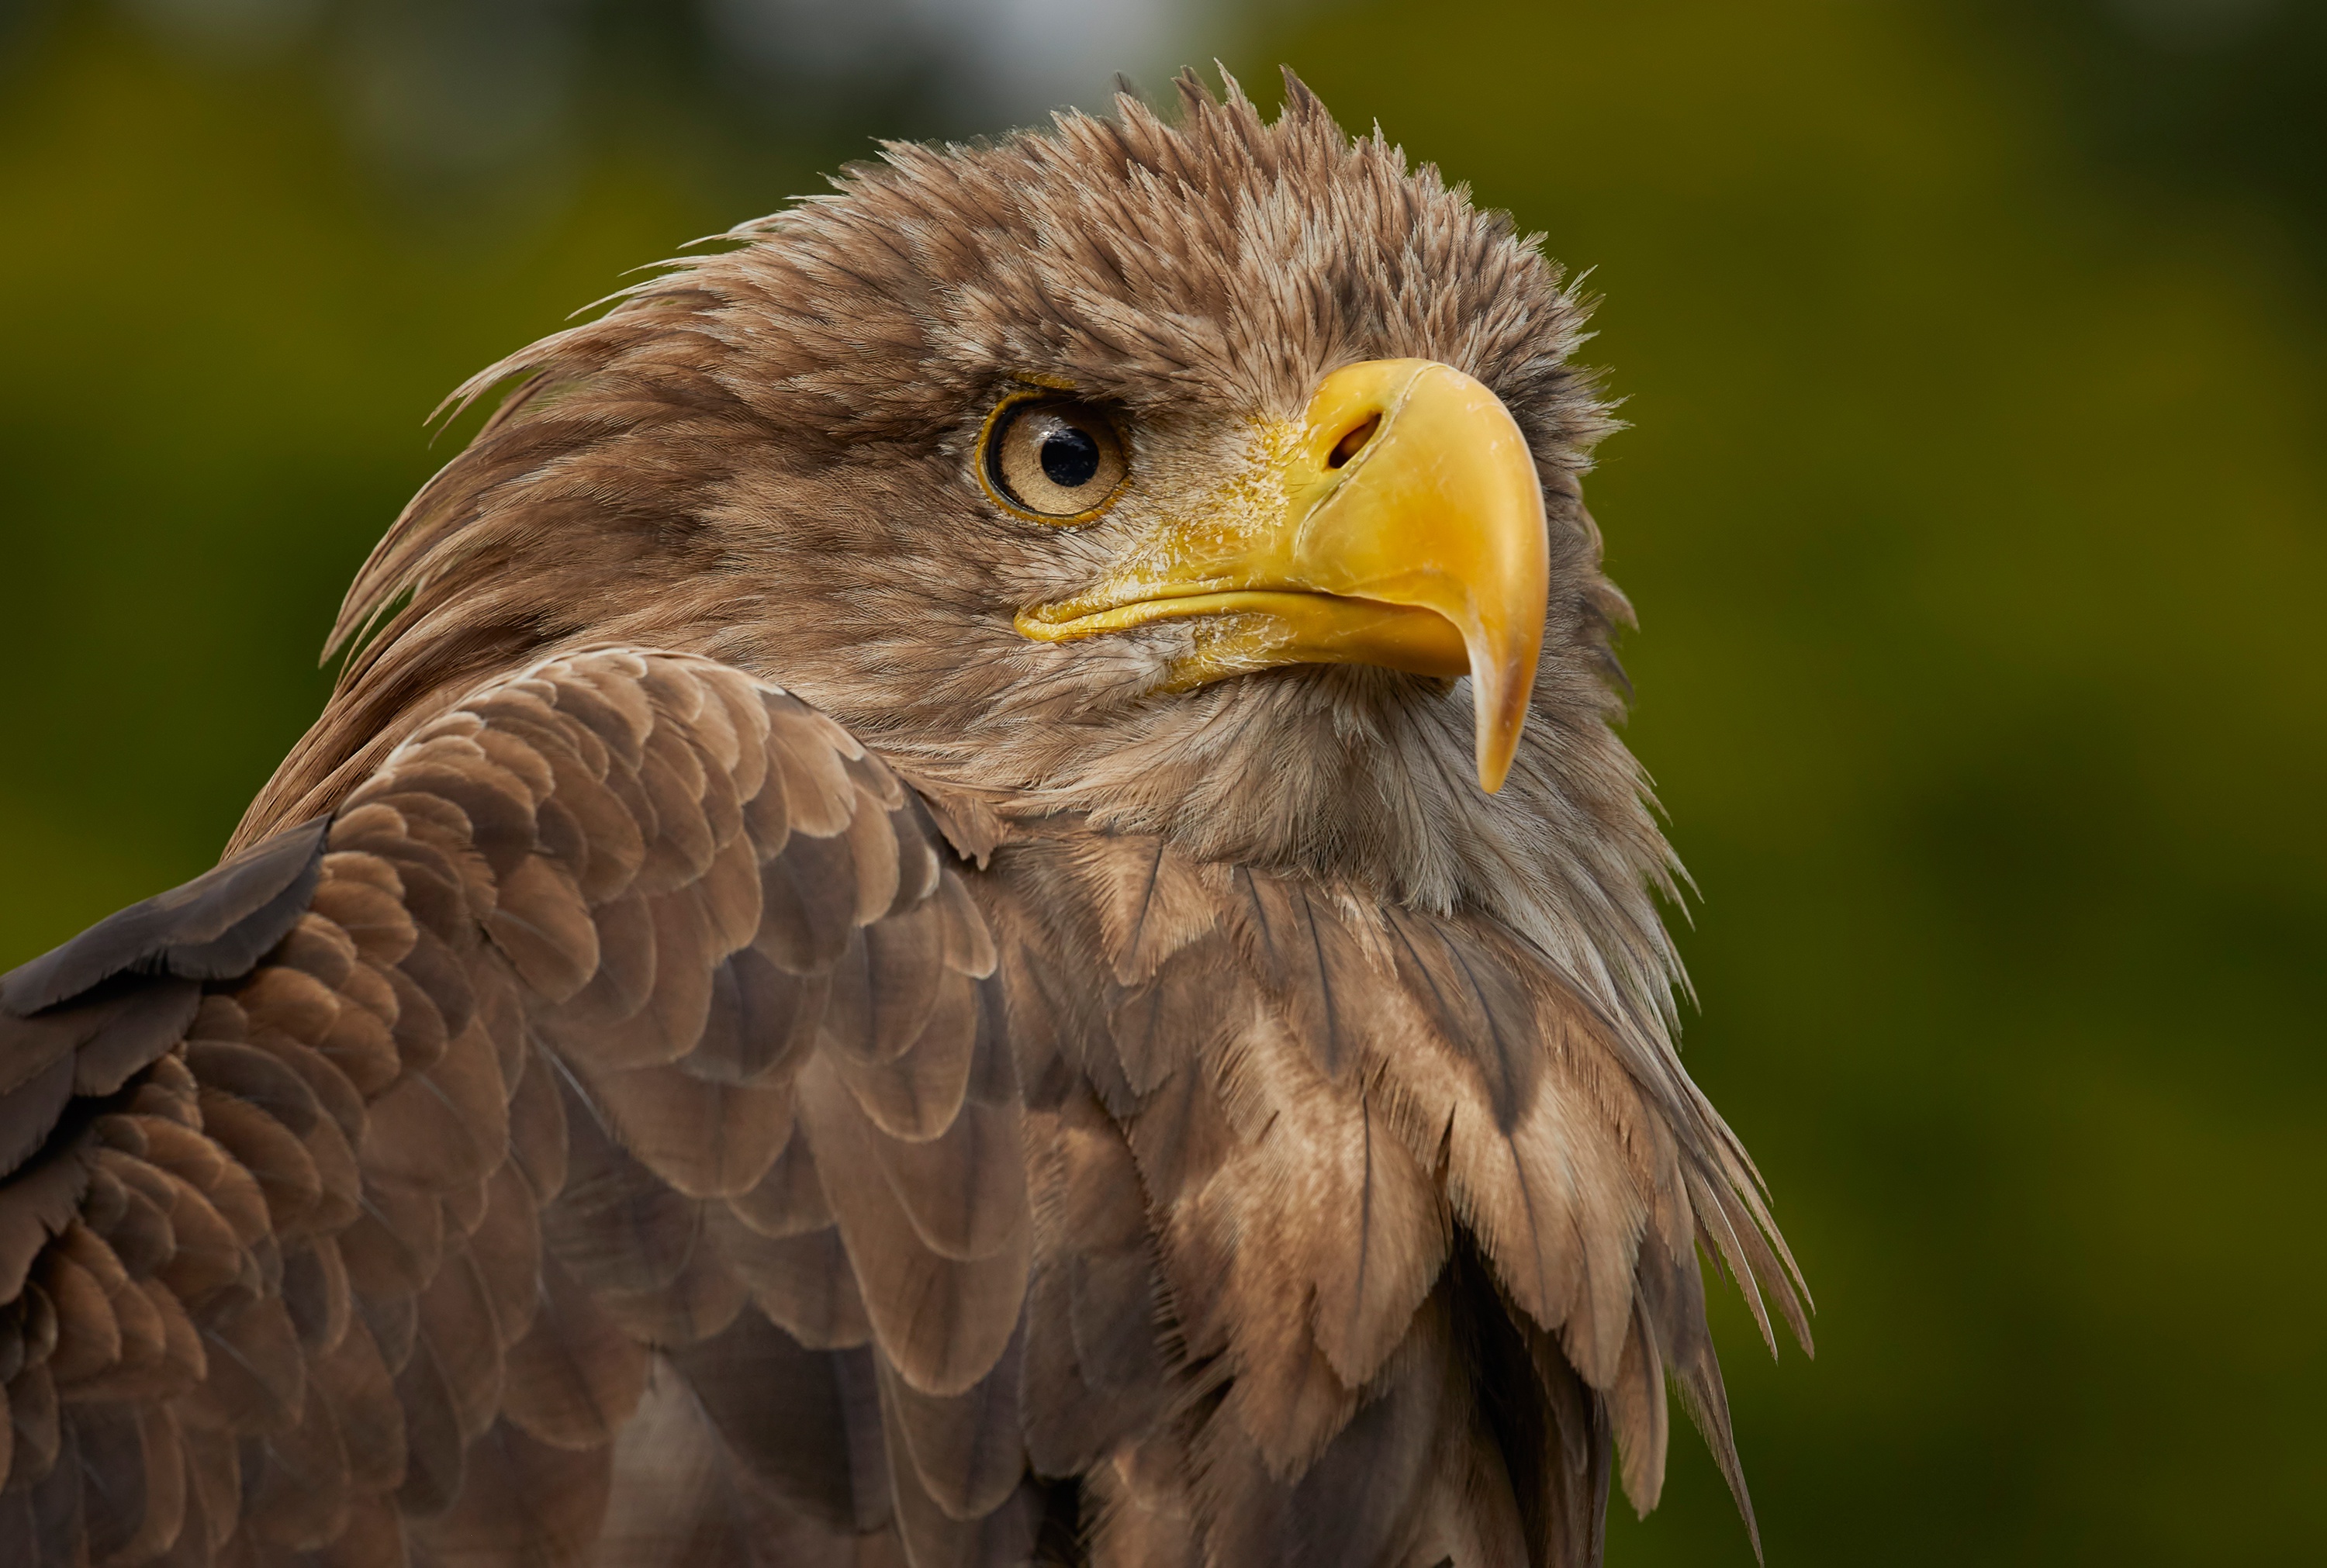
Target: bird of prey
x=968 y=900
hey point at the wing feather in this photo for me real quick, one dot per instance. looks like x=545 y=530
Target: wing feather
x=944 y=1323
x=351 y=1186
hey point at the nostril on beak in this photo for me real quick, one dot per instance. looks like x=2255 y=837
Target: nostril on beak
x=1350 y=444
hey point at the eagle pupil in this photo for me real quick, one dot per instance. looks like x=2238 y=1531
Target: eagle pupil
x=1069 y=458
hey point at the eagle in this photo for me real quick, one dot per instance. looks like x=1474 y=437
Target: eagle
x=967 y=899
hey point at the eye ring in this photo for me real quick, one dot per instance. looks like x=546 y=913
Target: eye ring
x=1052 y=458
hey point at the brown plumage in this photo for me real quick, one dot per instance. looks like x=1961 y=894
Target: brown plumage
x=731 y=1042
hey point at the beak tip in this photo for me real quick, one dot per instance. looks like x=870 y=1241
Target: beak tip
x=1502 y=681
x=1494 y=766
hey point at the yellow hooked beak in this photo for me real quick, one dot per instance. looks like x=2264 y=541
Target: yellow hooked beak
x=1402 y=524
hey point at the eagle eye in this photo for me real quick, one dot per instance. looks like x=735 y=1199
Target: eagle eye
x=1053 y=458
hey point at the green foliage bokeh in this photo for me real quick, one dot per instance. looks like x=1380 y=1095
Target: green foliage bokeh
x=1973 y=508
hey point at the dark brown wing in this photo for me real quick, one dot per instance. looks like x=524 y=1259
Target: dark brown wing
x=1421 y=1222
x=607 y=1102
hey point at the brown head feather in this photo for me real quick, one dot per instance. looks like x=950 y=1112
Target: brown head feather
x=764 y=456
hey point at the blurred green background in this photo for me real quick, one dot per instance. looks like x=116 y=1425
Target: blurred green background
x=1973 y=506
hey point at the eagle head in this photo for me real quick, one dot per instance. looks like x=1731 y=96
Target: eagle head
x=1215 y=478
